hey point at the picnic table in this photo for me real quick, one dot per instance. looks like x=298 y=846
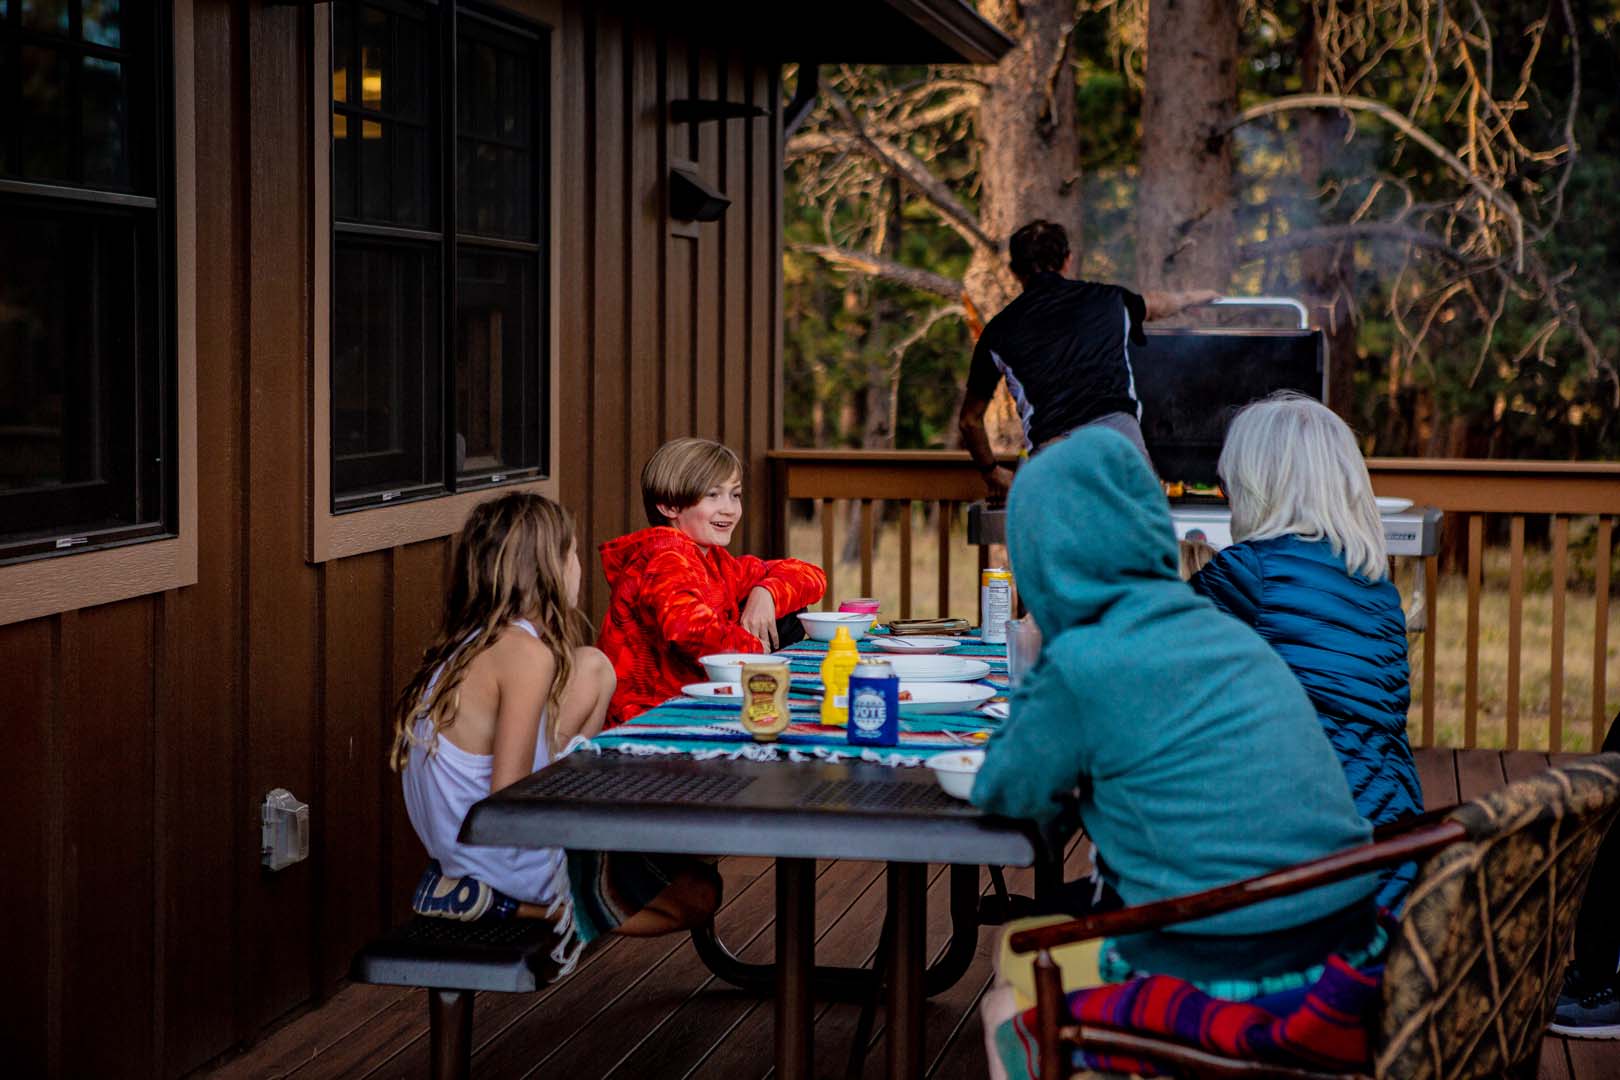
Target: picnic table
x=681 y=778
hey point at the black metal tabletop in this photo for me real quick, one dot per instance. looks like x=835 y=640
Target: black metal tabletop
x=785 y=809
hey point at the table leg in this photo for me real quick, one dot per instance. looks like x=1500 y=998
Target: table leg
x=908 y=925
x=795 y=959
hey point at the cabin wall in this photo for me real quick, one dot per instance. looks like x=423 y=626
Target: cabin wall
x=143 y=735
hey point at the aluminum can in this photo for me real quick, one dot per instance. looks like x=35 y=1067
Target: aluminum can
x=874 y=704
x=995 y=604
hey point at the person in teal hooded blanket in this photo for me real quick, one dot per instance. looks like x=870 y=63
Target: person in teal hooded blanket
x=1195 y=755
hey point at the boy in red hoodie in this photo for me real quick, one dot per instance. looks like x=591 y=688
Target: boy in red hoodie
x=677 y=593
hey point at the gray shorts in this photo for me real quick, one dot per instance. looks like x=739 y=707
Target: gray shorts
x=1122 y=422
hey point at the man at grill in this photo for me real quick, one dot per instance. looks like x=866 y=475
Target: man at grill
x=1064 y=348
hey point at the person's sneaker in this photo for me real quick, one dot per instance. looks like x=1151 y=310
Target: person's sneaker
x=1588 y=1012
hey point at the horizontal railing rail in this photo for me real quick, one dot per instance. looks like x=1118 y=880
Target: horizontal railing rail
x=1473 y=494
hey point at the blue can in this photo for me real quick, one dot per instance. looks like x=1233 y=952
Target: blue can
x=874 y=704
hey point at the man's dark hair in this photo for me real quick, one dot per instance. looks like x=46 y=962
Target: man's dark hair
x=1040 y=245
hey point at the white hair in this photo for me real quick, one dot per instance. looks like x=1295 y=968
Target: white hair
x=1290 y=466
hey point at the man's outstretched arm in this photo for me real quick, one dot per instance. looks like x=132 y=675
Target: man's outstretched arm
x=1162 y=305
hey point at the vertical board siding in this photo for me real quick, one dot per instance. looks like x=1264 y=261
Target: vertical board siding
x=203 y=826
x=145 y=734
x=346 y=826
x=107 y=897
x=28 y=787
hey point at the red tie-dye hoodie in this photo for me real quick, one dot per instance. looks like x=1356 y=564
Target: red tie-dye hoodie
x=671 y=603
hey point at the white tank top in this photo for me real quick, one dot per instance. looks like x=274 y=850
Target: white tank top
x=440 y=787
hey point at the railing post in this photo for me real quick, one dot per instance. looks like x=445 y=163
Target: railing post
x=1476 y=569
x=1600 y=635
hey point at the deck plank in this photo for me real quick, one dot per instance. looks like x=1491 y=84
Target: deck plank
x=1554 y=1060
x=1478 y=772
x=1591 y=1059
x=1437 y=772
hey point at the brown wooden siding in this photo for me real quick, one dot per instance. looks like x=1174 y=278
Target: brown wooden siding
x=143 y=735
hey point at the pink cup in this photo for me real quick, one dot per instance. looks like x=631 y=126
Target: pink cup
x=861 y=605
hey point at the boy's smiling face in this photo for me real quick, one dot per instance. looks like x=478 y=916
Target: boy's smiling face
x=712 y=519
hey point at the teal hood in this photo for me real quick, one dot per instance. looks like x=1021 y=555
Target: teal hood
x=1088 y=529
x=1195 y=756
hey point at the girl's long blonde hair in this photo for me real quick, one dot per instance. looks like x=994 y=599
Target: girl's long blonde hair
x=510 y=563
x=1290 y=465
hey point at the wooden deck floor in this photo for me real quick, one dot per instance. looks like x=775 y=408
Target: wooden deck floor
x=650 y=1009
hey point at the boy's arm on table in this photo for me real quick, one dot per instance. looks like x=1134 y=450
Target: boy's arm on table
x=792 y=584
x=672 y=594
x=1233 y=581
x=1036 y=758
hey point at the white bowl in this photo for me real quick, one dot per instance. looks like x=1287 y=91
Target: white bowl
x=1388 y=504
x=922 y=698
x=727 y=666
x=956 y=769
x=823 y=625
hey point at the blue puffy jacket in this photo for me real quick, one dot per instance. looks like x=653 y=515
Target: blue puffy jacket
x=1344 y=636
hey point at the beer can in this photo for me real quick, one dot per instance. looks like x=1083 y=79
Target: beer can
x=874 y=704
x=995 y=604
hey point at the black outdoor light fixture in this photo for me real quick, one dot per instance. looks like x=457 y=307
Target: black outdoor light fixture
x=690 y=199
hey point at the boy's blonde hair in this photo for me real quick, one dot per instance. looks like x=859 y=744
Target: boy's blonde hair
x=1290 y=466
x=681 y=472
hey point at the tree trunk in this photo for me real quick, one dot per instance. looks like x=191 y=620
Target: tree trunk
x=1029 y=166
x=1184 y=199
x=1326 y=271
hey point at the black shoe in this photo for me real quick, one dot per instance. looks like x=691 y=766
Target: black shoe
x=1586 y=1011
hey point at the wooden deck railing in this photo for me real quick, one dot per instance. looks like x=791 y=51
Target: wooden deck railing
x=1546 y=496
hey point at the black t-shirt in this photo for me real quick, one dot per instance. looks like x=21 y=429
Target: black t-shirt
x=1064 y=347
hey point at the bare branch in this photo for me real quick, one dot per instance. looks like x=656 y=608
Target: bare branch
x=1395 y=119
x=873 y=266
x=904 y=164
x=944 y=312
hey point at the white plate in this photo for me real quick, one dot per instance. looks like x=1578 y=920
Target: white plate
x=916 y=646
x=714 y=691
x=1391 y=505
x=938 y=697
x=938 y=668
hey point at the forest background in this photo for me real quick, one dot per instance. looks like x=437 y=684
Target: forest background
x=1440 y=182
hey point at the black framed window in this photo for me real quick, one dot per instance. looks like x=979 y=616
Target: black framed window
x=438 y=367
x=86 y=365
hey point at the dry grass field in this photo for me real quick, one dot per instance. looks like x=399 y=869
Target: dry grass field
x=1450 y=631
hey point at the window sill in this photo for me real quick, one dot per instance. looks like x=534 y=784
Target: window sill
x=30 y=590
x=355 y=532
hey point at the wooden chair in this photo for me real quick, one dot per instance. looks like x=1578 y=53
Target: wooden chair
x=1471 y=977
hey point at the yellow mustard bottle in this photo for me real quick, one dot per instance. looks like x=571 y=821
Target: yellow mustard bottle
x=842 y=656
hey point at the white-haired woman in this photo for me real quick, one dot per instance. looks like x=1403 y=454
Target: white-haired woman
x=1308 y=571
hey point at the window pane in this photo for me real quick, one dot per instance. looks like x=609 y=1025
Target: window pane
x=373 y=57
x=374 y=171
x=103 y=94
x=496 y=191
x=342 y=51
x=343 y=165
x=70 y=365
x=47 y=127
x=103 y=22
x=497 y=363
x=385 y=381
x=411 y=176
x=46 y=16
x=409 y=86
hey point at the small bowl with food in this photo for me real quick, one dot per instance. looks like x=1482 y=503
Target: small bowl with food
x=727 y=667
x=823 y=625
x=956 y=769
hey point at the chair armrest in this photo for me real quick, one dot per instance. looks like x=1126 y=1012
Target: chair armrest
x=1416 y=843
x=1407 y=824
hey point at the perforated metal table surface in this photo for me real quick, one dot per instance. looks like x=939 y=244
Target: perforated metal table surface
x=808 y=810
x=797 y=812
